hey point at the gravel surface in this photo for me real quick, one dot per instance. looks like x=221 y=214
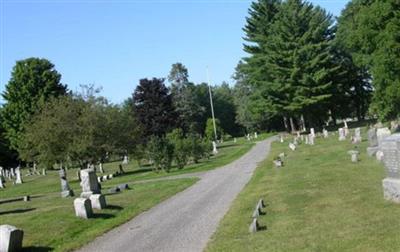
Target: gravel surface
x=186 y=221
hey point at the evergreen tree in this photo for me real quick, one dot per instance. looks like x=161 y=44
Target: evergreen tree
x=33 y=82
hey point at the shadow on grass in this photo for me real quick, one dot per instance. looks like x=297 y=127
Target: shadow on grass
x=103 y=216
x=114 y=207
x=17 y=211
x=37 y=249
x=261 y=228
x=227 y=145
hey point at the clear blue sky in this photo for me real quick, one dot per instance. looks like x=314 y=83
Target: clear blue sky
x=113 y=44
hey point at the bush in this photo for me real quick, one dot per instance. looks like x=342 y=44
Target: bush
x=160 y=151
x=181 y=147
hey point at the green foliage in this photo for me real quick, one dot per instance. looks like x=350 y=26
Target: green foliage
x=369 y=31
x=153 y=108
x=181 y=147
x=160 y=151
x=198 y=148
x=33 y=82
x=209 y=131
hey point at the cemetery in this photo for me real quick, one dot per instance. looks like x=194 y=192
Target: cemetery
x=261 y=125
x=60 y=202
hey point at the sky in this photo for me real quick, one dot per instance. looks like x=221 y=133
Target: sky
x=114 y=44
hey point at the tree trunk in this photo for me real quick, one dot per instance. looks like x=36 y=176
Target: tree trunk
x=286 y=124
x=293 y=129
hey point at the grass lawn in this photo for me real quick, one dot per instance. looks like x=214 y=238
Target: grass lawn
x=319 y=201
x=49 y=221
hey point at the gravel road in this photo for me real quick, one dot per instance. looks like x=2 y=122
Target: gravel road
x=186 y=221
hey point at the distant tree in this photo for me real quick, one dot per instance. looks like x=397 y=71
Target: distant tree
x=153 y=107
x=181 y=147
x=8 y=157
x=184 y=100
x=160 y=151
x=33 y=82
x=209 y=131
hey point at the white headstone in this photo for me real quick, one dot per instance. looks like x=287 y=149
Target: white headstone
x=125 y=160
x=98 y=201
x=234 y=140
x=312 y=132
x=281 y=139
x=10 y=238
x=342 y=135
x=255 y=135
x=215 y=151
x=18 y=179
x=253 y=226
x=89 y=183
x=311 y=139
x=83 y=208
x=292 y=146
x=325 y=133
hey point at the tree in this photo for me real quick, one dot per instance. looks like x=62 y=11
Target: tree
x=33 y=82
x=181 y=147
x=209 y=131
x=184 y=100
x=368 y=30
x=153 y=107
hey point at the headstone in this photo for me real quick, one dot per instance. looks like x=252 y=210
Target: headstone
x=253 y=226
x=312 y=132
x=248 y=137
x=373 y=142
x=281 y=155
x=278 y=163
x=390 y=146
x=110 y=176
x=104 y=178
x=261 y=203
x=342 y=135
x=256 y=213
x=255 y=135
x=12 y=172
x=394 y=126
x=298 y=133
x=89 y=183
x=65 y=189
x=325 y=133
x=18 y=179
x=292 y=146
x=295 y=141
x=101 y=167
x=98 y=201
x=1 y=182
x=44 y=172
x=281 y=139
x=113 y=190
x=27 y=198
x=381 y=134
x=357 y=135
x=10 y=238
x=307 y=140
x=234 y=140
x=99 y=179
x=83 y=208
x=125 y=160
x=311 y=138
x=215 y=151
x=122 y=187
x=354 y=155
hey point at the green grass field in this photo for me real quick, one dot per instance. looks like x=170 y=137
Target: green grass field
x=319 y=201
x=49 y=221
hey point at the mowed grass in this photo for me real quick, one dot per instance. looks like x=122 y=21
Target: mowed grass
x=49 y=221
x=319 y=201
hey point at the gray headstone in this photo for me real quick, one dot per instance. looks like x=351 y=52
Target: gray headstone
x=89 y=183
x=98 y=201
x=382 y=133
x=10 y=238
x=122 y=187
x=390 y=146
x=292 y=146
x=342 y=135
x=113 y=190
x=83 y=208
x=18 y=179
x=65 y=189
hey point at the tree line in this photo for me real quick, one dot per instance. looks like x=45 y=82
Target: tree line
x=45 y=123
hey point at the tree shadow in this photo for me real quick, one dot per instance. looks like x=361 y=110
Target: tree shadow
x=37 y=249
x=227 y=145
x=114 y=207
x=142 y=170
x=17 y=211
x=261 y=228
x=103 y=216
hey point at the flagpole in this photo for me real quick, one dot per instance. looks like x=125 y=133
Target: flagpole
x=212 y=106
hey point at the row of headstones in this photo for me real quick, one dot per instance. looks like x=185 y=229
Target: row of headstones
x=344 y=132
x=254 y=225
x=249 y=136
x=13 y=174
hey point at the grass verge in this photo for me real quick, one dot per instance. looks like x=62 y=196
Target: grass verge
x=319 y=201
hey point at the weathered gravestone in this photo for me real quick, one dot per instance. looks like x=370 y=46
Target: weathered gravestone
x=214 y=144
x=89 y=183
x=10 y=238
x=357 y=136
x=325 y=133
x=1 y=182
x=234 y=140
x=292 y=146
x=18 y=177
x=83 y=208
x=312 y=132
x=307 y=140
x=98 y=201
x=44 y=172
x=101 y=167
x=281 y=139
x=342 y=135
x=253 y=226
x=354 y=155
x=372 y=142
x=390 y=146
x=65 y=189
x=311 y=138
x=125 y=160
x=255 y=135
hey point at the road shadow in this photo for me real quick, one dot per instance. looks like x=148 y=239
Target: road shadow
x=17 y=211
x=37 y=249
